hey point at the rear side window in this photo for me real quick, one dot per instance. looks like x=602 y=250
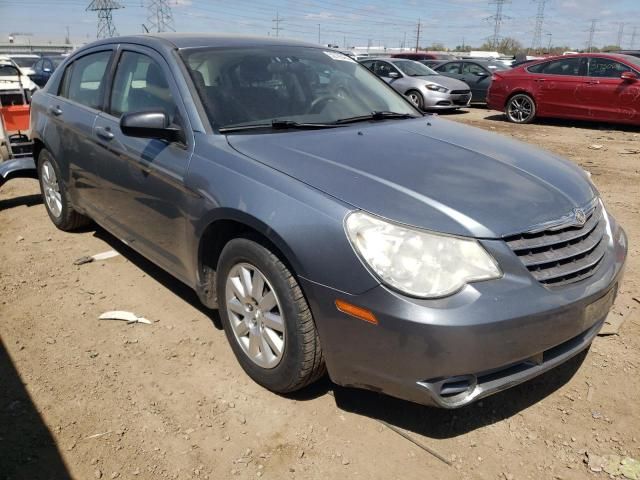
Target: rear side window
x=565 y=66
x=605 y=67
x=449 y=68
x=84 y=79
x=139 y=85
x=473 y=69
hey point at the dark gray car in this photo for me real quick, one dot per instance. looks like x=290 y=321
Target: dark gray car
x=475 y=73
x=332 y=224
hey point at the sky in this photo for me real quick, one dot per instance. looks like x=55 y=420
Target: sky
x=387 y=23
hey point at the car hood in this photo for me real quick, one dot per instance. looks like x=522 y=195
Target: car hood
x=447 y=82
x=429 y=173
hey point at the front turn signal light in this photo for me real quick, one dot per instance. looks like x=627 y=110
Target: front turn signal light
x=357 y=312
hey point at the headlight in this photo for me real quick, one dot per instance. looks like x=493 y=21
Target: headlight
x=416 y=262
x=436 y=88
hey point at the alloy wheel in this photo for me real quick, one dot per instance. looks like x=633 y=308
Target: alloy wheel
x=51 y=189
x=255 y=315
x=520 y=109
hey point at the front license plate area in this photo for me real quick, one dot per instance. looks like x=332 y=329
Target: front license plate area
x=599 y=309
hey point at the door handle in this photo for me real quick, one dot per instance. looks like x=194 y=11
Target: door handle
x=57 y=111
x=593 y=82
x=541 y=79
x=105 y=133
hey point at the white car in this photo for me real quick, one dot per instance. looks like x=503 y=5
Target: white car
x=9 y=79
x=25 y=61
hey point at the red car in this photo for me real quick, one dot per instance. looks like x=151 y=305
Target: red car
x=588 y=86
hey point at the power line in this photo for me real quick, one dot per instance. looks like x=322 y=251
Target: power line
x=537 y=33
x=498 y=18
x=620 y=34
x=592 y=32
x=105 y=8
x=277 y=26
x=160 y=16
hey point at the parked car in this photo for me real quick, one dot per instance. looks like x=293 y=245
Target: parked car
x=475 y=73
x=432 y=64
x=44 y=68
x=330 y=222
x=424 y=87
x=25 y=61
x=417 y=56
x=11 y=74
x=603 y=87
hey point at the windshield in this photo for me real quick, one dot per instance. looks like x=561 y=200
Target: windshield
x=414 y=69
x=635 y=61
x=302 y=84
x=25 y=62
x=8 y=71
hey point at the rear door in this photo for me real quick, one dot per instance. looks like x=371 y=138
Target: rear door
x=144 y=178
x=69 y=133
x=556 y=87
x=478 y=78
x=609 y=97
x=450 y=69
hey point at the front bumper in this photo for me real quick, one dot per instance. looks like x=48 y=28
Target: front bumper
x=445 y=101
x=491 y=335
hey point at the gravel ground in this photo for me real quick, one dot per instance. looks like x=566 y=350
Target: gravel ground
x=82 y=398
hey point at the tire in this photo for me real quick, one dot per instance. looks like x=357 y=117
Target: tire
x=252 y=316
x=520 y=109
x=55 y=195
x=416 y=98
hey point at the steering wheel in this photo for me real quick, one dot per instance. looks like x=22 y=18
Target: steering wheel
x=321 y=101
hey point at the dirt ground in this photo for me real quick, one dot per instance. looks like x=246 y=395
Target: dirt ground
x=82 y=398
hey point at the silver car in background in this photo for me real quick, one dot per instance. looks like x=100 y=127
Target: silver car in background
x=426 y=88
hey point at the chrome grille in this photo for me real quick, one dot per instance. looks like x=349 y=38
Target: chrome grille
x=460 y=92
x=563 y=255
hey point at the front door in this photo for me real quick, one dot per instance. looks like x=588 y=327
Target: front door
x=144 y=178
x=557 y=88
x=607 y=95
x=478 y=78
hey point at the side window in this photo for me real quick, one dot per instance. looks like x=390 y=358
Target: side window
x=450 y=68
x=566 y=66
x=473 y=69
x=84 y=79
x=47 y=66
x=139 y=85
x=604 y=67
x=38 y=66
x=368 y=64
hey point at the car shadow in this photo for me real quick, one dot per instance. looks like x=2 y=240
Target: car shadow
x=557 y=122
x=422 y=420
x=168 y=281
x=27 y=448
x=23 y=201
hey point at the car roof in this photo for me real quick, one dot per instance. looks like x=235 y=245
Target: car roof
x=195 y=40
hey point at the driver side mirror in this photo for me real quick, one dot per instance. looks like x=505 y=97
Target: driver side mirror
x=629 y=76
x=480 y=74
x=149 y=124
x=394 y=75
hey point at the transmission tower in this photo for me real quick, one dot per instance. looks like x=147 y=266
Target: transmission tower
x=276 y=24
x=498 y=18
x=105 y=8
x=620 y=34
x=159 y=16
x=633 y=38
x=592 y=32
x=537 y=33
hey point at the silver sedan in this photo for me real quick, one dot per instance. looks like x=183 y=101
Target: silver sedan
x=427 y=89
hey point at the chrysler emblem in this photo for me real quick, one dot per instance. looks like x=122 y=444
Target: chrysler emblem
x=579 y=216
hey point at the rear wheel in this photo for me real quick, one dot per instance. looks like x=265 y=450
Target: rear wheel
x=521 y=108
x=416 y=98
x=55 y=195
x=266 y=318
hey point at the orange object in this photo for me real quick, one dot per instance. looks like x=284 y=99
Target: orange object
x=16 y=117
x=358 y=312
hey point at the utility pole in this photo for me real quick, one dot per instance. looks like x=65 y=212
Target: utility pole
x=633 y=38
x=550 y=35
x=67 y=39
x=620 y=34
x=498 y=18
x=276 y=21
x=318 y=34
x=592 y=32
x=160 y=16
x=418 y=36
x=537 y=32
x=105 y=8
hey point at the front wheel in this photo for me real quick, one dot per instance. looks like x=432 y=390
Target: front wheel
x=266 y=318
x=416 y=98
x=521 y=109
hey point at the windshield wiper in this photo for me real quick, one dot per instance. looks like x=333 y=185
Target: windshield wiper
x=375 y=116
x=277 y=125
